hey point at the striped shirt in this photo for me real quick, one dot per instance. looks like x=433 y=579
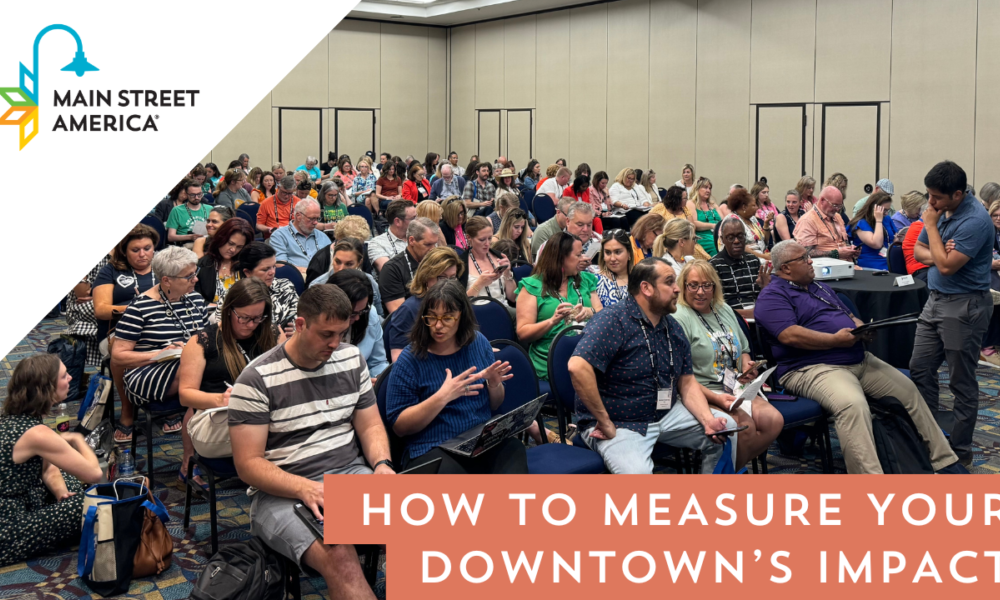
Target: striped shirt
x=148 y=323
x=739 y=278
x=309 y=412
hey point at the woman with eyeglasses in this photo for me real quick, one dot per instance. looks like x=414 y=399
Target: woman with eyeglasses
x=489 y=272
x=162 y=318
x=366 y=326
x=744 y=208
x=446 y=382
x=258 y=260
x=230 y=192
x=217 y=271
x=333 y=206
x=615 y=263
x=644 y=234
x=720 y=356
x=624 y=193
x=346 y=171
x=514 y=227
x=556 y=295
x=215 y=357
x=439 y=264
x=218 y=216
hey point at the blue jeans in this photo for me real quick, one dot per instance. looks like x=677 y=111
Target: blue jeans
x=632 y=454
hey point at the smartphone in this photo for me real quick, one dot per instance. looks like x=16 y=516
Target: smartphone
x=501 y=269
x=880 y=273
x=306 y=516
x=728 y=431
x=760 y=365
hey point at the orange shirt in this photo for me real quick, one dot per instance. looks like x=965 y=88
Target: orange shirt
x=275 y=214
x=909 y=242
x=816 y=229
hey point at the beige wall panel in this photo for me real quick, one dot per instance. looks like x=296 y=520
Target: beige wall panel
x=355 y=43
x=437 y=91
x=488 y=147
x=519 y=137
x=782 y=51
x=987 y=92
x=307 y=84
x=404 y=89
x=723 y=91
x=779 y=152
x=884 y=145
x=853 y=49
x=208 y=158
x=463 y=92
x=552 y=86
x=300 y=136
x=519 y=63
x=355 y=133
x=489 y=65
x=588 y=108
x=933 y=88
x=851 y=149
x=378 y=134
x=628 y=85
x=672 y=75
x=274 y=137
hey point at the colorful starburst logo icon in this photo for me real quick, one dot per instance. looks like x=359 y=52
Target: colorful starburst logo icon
x=23 y=100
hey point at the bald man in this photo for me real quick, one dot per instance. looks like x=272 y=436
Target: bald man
x=821 y=230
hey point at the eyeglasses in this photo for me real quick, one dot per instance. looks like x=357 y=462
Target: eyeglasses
x=358 y=313
x=311 y=219
x=202 y=195
x=188 y=278
x=248 y=320
x=735 y=237
x=804 y=257
x=432 y=320
x=694 y=287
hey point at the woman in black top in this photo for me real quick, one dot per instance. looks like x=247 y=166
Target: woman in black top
x=785 y=221
x=217 y=270
x=214 y=358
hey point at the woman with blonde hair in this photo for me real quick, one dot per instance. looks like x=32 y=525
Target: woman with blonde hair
x=911 y=206
x=352 y=226
x=720 y=348
x=676 y=244
x=707 y=214
x=805 y=187
x=514 y=227
x=230 y=192
x=429 y=209
x=624 y=192
x=644 y=234
x=648 y=189
x=453 y=221
x=839 y=181
x=687 y=178
x=504 y=203
x=489 y=273
x=437 y=265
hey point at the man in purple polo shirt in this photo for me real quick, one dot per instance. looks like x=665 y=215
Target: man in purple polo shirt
x=809 y=329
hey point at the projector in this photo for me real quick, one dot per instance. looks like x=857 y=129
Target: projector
x=831 y=268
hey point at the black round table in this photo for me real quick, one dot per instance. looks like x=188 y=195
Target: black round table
x=876 y=298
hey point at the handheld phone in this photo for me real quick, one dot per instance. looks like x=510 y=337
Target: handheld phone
x=306 y=516
x=760 y=364
x=728 y=431
x=501 y=269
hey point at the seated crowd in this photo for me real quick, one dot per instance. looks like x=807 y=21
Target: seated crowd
x=287 y=295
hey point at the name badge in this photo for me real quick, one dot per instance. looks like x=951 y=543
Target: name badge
x=903 y=281
x=729 y=380
x=664 y=396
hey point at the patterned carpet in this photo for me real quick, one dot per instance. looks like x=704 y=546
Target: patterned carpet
x=55 y=576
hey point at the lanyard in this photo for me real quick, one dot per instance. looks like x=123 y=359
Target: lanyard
x=825 y=301
x=135 y=279
x=276 y=221
x=170 y=311
x=291 y=230
x=392 y=243
x=833 y=234
x=576 y=286
x=480 y=271
x=729 y=346
x=654 y=357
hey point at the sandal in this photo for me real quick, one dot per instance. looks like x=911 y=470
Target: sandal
x=196 y=475
x=125 y=431
x=173 y=425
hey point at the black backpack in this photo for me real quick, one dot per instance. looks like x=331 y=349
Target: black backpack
x=242 y=571
x=899 y=447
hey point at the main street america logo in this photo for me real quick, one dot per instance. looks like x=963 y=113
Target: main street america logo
x=23 y=100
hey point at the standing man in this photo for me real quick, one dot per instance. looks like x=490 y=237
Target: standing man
x=381 y=248
x=422 y=235
x=957 y=314
x=182 y=219
x=821 y=230
x=630 y=370
x=448 y=184
x=276 y=211
x=478 y=193
x=302 y=410
x=297 y=243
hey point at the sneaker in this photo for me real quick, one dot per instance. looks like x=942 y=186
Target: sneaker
x=956 y=468
x=993 y=359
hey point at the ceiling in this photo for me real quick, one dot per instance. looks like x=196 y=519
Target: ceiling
x=452 y=12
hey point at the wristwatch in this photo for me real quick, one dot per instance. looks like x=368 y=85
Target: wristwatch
x=386 y=462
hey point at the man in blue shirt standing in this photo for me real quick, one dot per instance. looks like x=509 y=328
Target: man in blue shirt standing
x=297 y=243
x=957 y=314
x=630 y=370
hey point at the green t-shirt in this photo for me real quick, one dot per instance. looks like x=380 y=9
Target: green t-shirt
x=333 y=214
x=539 y=349
x=858 y=206
x=183 y=217
x=707 y=354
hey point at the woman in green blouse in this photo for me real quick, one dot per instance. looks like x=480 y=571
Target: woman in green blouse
x=557 y=295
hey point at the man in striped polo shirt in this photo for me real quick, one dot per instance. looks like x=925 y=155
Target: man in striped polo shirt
x=298 y=412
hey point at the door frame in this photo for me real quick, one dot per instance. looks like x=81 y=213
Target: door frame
x=756 y=143
x=479 y=129
x=531 y=129
x=319 y=154
x=878 y=135
x=336 y=126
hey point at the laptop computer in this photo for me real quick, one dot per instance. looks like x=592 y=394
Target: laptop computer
x=316 y=526
x=483 y=437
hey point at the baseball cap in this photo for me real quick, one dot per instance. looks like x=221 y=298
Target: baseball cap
x=885 y=185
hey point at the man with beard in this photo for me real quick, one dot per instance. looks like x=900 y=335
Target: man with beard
x=630 y=369
x=182 y=219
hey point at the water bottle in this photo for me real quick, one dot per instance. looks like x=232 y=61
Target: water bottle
x=62 y=418
x=126 y=467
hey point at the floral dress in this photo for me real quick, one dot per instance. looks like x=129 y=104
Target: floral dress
x=29 y=524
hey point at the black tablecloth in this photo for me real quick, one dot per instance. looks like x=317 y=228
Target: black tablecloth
x=876 y=298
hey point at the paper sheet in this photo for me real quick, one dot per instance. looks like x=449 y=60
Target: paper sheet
x=751 y=391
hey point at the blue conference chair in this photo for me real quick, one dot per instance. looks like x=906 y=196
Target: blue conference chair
x=381 y=394
x=897 y=262
x=362 y=211
x=543 y=207
x=493 y=318
x=292 y=274
x=521 y=271
x=157 y=225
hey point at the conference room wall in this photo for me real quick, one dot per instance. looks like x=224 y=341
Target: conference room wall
x=679 y=81
x=400 y=71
